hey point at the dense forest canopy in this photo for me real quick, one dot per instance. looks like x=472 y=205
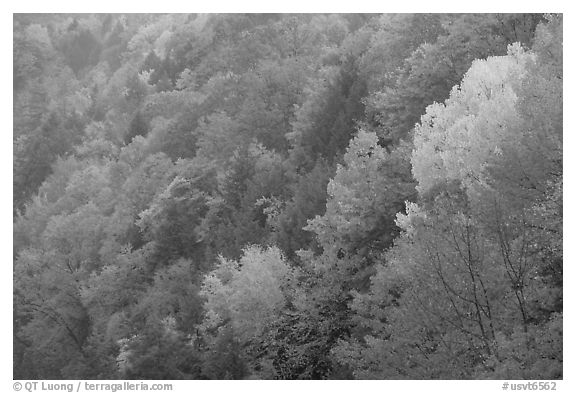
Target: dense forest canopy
x=288 y=196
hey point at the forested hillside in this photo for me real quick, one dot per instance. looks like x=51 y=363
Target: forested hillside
x=276 y=196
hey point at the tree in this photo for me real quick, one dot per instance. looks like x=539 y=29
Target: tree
x=172 y=221
x=243 y=302
x=35 y=153
x=433 y=68
x=463 y=291
x=325 y=122
x=56 y=324
x=164 y=316
x=81 y=50
x=236 y=217
x=364 y=197
x=287 y=220
x=461 y=144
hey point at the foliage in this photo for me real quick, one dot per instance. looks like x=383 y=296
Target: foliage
x=288 y=196
x=468 y=290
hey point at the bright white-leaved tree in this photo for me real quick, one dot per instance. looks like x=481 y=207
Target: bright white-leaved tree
x=244 y=300
x=472 y=286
